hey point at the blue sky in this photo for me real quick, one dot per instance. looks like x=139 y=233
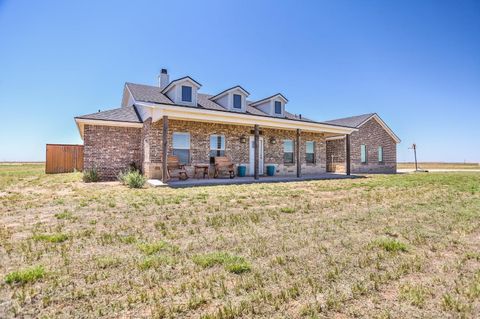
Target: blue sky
x=416 y=63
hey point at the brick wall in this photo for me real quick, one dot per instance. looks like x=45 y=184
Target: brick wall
x=111 y=149
x=372 y=135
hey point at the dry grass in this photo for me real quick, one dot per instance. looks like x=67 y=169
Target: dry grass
x=438 y=165
x=397 y=246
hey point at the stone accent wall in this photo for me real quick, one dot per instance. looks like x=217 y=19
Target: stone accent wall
x=373 y=135
x=111 y=149
x=238 y=152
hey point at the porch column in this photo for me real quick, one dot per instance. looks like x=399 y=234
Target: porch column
x=164 y=148
x=347 y=154
x=297 y=155
x=256 y=152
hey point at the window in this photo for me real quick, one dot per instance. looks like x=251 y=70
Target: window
x=363 y=153
x=380 y=154
x=310 y=152
x=288 y=151
x=217 y=146
x=237 y=101
x=186 y=93
x=181 y=147
x=278 y=107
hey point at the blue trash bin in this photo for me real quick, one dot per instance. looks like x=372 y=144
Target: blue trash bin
x=242 y=170
x=270 y=170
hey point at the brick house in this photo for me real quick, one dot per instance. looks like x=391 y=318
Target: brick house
x=196 y=127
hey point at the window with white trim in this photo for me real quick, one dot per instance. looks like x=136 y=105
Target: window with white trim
x=186 y=93
x=278 y=107
x=310 y=152
x=363 y=153
x=217 y=146
x=380 y=153
x=288 y=151
x=237 y=101
x=181 y=147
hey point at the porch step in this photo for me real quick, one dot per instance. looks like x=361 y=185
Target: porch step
x=155 y=183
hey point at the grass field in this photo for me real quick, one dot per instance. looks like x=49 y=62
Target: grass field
x=438 y=165
x=397 y=246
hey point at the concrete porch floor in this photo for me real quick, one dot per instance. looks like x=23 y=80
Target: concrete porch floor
x=192 y=182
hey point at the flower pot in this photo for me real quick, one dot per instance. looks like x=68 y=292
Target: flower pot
x=270 y=170
x=242 y=170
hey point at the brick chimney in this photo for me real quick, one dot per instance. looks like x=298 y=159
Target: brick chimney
x=163 y=79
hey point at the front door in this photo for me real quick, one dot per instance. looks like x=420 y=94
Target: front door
x=252 y=155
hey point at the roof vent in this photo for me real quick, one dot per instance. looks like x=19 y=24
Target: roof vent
x=163 y=79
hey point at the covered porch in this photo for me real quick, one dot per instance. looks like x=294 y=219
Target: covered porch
x=252 y=141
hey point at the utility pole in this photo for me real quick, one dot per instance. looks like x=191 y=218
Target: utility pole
x=414 y=147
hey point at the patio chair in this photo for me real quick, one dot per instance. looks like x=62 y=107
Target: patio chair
x=224 y=164
x=173 y=165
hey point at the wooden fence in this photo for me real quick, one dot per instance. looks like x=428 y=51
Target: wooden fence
x=64 y=158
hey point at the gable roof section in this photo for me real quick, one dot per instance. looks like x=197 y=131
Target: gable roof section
x=269 y=98
x=352 y=121
x=123 y=114
x=168 y=87
x=148 y=93
x=228 y=90
x=359 y=120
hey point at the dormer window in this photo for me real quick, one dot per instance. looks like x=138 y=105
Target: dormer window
x=273 y=105
x=183 y=91
x=237 y=101
x=278 y=107
x=186 y=93
x=232 y=99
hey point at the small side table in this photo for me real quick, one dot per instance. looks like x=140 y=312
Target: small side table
x=199 y=168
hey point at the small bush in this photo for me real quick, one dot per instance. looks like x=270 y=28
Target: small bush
x=231 y=263
x=132 y=178
x=153 y=248
x=155 y=262
x=64 y=215
x=287 y=210
x=26 y=275
x=390 y=245
x=90 y=175
x=52 y=238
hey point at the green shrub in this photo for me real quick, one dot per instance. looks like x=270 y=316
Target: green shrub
x=52 y=238
x=155 y=262
x=390 y=245
x=90 y=175
x=64 y=215
x=25 y=275
x=153 y=248
x=132 y=178
x=231 y=263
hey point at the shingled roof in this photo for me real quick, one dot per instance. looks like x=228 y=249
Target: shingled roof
x=123 y=114
x=352 y=121
x=357 y=121
x=153 y=94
